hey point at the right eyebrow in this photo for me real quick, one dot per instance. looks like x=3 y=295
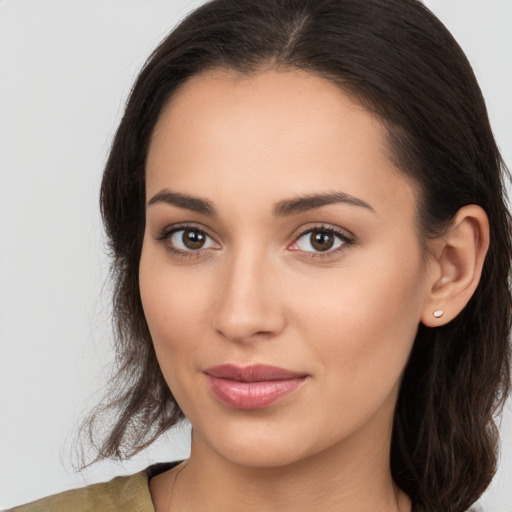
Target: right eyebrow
x=195 y=204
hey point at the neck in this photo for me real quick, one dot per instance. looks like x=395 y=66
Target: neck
x=350 y=477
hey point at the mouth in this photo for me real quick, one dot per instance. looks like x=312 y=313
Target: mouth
x=252 y=387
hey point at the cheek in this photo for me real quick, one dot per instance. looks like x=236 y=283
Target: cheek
x=172 y=306
x=364 y=320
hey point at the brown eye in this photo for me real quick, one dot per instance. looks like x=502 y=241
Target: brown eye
x=189 y=240
x=193 y=239
x=322 y=240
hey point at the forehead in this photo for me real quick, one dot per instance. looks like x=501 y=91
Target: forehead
x=274 y=133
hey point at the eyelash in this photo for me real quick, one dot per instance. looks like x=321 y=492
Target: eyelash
x=346 y=239
x=167 y=233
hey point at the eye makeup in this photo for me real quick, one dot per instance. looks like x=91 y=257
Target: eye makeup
x=321 y=241
x=326 y=241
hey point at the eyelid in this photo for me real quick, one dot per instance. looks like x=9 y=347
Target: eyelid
x=344 y=235
x=166 y=234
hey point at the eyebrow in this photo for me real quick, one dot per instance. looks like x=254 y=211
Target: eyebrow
x=313 y=201
x=195 y=204
x=283 y=208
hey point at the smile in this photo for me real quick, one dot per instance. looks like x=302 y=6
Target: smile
x=252 y=387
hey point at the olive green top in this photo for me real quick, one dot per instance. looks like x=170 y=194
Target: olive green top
x=121 y=494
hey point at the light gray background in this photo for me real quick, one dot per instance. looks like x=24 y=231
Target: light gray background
x=65 y=70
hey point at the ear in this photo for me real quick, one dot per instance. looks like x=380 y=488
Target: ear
x=456 y=265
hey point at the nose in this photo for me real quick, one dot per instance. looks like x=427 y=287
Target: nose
x=247 y=305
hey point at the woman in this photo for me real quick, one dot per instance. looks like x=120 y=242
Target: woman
x=311 y=254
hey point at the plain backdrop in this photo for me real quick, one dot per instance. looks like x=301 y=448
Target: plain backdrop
x=66 y=67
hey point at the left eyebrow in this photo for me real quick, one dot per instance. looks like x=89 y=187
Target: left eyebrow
x=310 y=202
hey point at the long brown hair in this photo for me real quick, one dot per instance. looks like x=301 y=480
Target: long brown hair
x=398 y=60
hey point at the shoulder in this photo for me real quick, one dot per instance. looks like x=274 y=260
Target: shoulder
x=122 y=493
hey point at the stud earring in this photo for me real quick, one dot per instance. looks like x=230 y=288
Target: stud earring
x=438 y=313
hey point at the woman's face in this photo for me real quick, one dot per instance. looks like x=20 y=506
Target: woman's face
x=278 y=233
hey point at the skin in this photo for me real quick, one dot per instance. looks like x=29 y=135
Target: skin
x=259 y=292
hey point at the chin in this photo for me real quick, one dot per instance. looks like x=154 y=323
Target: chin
x=262 y=456
x=261 y=446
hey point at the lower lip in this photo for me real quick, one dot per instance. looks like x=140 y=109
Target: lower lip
x=252 y=395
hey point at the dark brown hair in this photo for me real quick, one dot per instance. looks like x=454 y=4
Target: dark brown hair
x=402 y=64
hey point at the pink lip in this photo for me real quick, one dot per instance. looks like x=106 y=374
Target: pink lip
x=252 y=387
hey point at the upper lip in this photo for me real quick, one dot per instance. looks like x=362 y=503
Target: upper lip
x=252 y=373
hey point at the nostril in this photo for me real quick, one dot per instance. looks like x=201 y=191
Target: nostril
x=256 y=325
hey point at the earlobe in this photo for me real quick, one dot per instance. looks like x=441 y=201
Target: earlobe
x=456 y=266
